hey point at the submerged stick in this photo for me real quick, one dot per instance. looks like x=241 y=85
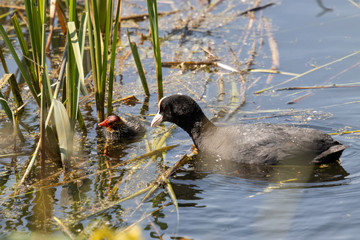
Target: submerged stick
x=144 y=217
x=221 y=87
x=162 y=178
x=273 y=48
x=300 y=98
x=65 y=229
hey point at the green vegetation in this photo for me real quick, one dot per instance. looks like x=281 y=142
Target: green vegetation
x=153 y=19
x=101 y=30
x=58 y=101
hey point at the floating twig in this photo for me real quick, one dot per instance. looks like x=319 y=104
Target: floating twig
x=258 y=70
x=355 y=4
x=17 y=7
x=198 y=63
x=318 y=87
x=254 y=9
x=224 y=66
x=345 y=132
x=139 y=17
x=129 y=100
x=210 y=55
x=187 y=63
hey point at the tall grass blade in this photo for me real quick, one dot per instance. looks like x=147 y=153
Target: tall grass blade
x=106 y=45
x=153 y=17
x=112 y=59
x=78 y=54
x=93 y=55
x=78 y=83
x=36 y=37
x=105 y=52
x=31 y=25
x=44 y=85
x=96 y=54
x=82 y=32
x=19 y=64
x=138 y=64
x=26 y=53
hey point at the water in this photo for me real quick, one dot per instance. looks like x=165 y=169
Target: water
x=284 y=203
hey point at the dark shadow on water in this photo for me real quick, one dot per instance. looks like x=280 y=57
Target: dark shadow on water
x=308 y=173
x=186 y=190
x=188 y=187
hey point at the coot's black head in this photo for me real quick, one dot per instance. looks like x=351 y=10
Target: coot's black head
x=181 y=110
x=111 y=122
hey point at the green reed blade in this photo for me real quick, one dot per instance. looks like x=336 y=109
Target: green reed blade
x=25 y=52
x=105 y=52
x=139 y=66
x=19 y=64
x=112 y=58
x=153 y=17
x=64 y=131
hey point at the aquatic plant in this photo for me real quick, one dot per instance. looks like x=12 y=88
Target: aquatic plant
x=153 y=19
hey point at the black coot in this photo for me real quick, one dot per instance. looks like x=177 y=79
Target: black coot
x=121 y=129
x=259 y=143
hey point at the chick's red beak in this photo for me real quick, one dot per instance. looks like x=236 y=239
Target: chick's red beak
x=104 y=123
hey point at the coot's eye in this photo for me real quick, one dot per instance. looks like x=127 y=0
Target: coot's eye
x=163 y=107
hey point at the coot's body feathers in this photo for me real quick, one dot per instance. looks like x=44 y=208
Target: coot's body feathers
x=268 y=144
x=259 y=143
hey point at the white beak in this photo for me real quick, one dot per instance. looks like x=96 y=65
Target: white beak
x=157 y=119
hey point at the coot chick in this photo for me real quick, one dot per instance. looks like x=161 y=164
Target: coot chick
x=259 y=143
x=122 y=129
